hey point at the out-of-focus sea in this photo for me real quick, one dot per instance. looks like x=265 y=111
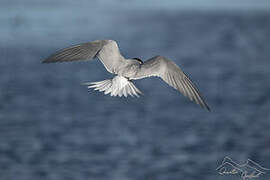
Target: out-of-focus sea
x=53 y=128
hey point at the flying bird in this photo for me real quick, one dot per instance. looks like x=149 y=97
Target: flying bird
x=127 y=70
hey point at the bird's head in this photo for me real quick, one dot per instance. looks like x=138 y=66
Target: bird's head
x=138 y=59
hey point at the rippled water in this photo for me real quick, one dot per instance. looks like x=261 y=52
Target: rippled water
x=53 y=128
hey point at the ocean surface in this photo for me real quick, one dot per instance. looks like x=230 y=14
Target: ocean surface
x=53 y=128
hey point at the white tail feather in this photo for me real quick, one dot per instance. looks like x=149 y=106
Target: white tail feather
x=118 y=86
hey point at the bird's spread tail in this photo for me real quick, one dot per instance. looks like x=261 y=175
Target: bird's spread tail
x=118 y=86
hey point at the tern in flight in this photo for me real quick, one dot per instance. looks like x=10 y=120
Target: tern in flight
x=127 y=70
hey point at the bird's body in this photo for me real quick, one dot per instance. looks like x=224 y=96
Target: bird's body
x=127 y=70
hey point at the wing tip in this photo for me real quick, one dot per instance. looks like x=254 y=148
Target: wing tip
x=203 y=104
x=207 y=107
x=46 y=61
x=49 y=60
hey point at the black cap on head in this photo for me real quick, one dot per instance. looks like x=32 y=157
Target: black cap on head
x=138 y=59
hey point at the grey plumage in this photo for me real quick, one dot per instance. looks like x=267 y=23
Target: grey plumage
x=83 y=51
x=128 y=69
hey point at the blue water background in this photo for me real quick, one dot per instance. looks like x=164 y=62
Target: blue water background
x=51 y=127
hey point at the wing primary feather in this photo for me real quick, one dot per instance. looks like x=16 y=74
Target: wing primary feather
x=200 y=98
x=197 y=97
x=176 y=86
x=180 y=85
x=193 y=92
x=189 y=90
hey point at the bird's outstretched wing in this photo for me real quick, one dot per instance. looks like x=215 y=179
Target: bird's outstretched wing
x=106 y=50
x=173 y=75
